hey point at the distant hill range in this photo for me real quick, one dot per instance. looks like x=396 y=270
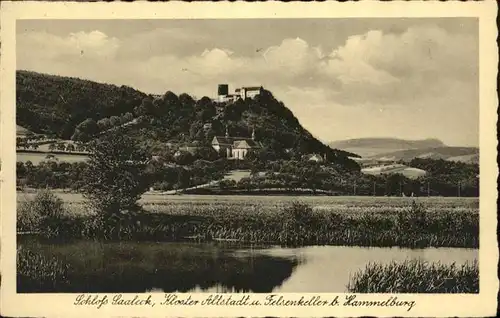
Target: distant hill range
x=463 y=154
x=393 y=149
x=70 y=108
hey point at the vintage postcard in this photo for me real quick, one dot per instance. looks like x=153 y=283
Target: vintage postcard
x=249 y=159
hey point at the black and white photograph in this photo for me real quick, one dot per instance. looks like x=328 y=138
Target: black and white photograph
x=247 y=156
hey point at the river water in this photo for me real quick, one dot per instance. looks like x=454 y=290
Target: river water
x=216 y=267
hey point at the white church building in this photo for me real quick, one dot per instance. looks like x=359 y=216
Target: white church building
x=235 y=147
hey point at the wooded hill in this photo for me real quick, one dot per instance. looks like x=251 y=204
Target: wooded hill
x=55 y=105
x=71 y=108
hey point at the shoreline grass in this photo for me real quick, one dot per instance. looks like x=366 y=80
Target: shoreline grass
x=416 y=276
x=290 y=224
x=37 y=272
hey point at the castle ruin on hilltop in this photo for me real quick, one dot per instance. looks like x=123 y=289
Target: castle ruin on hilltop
x=239 y=93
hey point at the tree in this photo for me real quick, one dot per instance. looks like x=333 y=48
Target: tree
x=61 y=146
x=145 y=108
x=245 y=183
x=114 y=121
x=19 y=142
x=85 y=130
x=184 y=158
x=227 y=184
x=203 y=103
x=70 y=147
x=195 y=130
x=80 y=147
x=206 y=153
x=114 y=180
x=128 y=117
x=20 y=169
x=206 y=112
x=104 y=124
x=266 y=154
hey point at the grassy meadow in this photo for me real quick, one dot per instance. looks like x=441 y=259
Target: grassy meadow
x=351 y=221
x=37 y=157
x=352 y=203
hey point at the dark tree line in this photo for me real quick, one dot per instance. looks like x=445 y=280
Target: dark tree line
x=155 y=174
x=455 y=179
x=50 y=174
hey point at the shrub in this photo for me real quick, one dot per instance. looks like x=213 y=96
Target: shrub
x=162 y=186
x=45 y=214
x=27 y=220
x=227 y=184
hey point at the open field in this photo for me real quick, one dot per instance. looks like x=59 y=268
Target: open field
x=237 y=175
x=409 y=172
x=338 y=203
x=37 y=157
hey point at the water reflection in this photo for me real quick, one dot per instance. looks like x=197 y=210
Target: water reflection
x=189 y=267
x=130 y=267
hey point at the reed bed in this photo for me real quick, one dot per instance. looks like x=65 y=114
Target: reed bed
x=38 y=272
x=284 y=223
x=416 y=276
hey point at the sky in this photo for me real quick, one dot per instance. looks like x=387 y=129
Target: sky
x=343 y=78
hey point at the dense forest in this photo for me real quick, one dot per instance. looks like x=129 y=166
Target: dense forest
x=81 y=110
x=55 y=105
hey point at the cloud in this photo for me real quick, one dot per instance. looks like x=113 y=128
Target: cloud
x=96 y=42
x=93 y=45
x=294 y=55
x=162 y=41
x=424 y=73
x=398 y=68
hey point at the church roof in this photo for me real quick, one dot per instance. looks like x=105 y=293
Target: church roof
x=246 y=143
x=222 y=140
x=236 y=142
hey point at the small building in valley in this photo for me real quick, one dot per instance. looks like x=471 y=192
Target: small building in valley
x=315 y=157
